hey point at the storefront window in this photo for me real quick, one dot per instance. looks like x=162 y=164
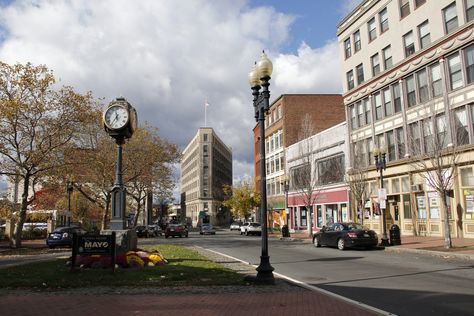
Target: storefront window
x=395 y=185
x=344 y=213
x=469 y=200
x=433 y=205
x=421 y=206
x=331 y=214
x=467 y=177
x=406 y=206
x=405 y=184
x=303 y=216
x=319 y=214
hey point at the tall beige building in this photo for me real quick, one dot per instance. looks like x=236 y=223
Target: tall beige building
x=408 y=73
x=206 y=166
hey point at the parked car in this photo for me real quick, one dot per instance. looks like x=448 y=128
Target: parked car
x=62 y=236
x=176 y=230
x=253 y=229
x=243 y=227
x=155 y=230
x=143 y=231
x=345 y=235
x=235 y=226
x=207 y=229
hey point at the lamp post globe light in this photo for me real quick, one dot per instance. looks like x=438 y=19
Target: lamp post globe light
x=259 y=77
x=380 y=164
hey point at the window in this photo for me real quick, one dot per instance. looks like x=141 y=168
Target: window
x=428 y=136
x=469 y=62
x=383 y=18
x=409 y=44
x=347 y=47
x=450 y=18
x=400 y=142
x=436 y=85
x=205 y=137
x=390 y=146
x=360 y=113
x=360 y=74
x=378 y=106
x=372 y=29
x=375 y=64
x=387 y=101
x=353 y=117
x=415 y=139
x=357 y=43
x=419 y=3
x=331 y=170
x=404 y=8
x=442 y=137
x=397 y=100
x=469 y=10
x=460 y=126
x=424 y=33
x=350 y=80
x=387 y=57
x=368 y=112
x=455 y=73
x=423 y=92
x=370 y=149
x=410 y=87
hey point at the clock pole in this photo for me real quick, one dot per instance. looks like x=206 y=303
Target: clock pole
x=120 y=122
x=118 y=192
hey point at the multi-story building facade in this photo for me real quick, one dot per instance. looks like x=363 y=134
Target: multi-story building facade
x=317 y=168
x=408 y=69
x=282 y=129
x=205 y=168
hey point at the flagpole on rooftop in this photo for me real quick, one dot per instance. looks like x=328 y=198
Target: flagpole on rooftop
x=206 y=104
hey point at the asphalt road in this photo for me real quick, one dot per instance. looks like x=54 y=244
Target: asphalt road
x=399 y=283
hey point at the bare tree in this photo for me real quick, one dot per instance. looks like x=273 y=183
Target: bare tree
x=357 y=179
x=434 y=157
x=302 y=177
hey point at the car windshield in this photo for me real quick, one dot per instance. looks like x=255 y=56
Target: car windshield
x=255 y=224
x=355 y=226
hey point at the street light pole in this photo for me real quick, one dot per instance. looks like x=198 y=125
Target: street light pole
x=259 y=77
x=69 y=188
x=380 y=163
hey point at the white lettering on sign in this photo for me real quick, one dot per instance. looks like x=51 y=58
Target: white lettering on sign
x=96 y=244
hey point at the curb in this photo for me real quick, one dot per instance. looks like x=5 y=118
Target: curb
x=439 y=254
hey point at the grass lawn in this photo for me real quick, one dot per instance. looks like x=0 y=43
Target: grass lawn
x=185 y=268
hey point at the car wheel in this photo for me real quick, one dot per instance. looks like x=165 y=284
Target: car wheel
x=341 y=244
x=316 y=242
x=246 y=233
x=186 y=235
x=166 y=236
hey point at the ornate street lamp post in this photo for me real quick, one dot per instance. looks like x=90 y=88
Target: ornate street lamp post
x=379 y=155
x=259 y=77
x=69 y=188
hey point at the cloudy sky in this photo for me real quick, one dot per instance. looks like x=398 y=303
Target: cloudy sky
x=167 y=57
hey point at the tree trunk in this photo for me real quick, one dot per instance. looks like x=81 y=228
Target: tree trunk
x=105 y=213
x=310 y=222
x=139 y=208
x=16 y=237
x=447 y=230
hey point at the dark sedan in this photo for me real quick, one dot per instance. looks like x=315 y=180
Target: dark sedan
x=345 y=235
x=176 y=230
x=62 y=236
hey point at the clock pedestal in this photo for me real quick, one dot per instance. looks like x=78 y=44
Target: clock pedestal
x=120 y=110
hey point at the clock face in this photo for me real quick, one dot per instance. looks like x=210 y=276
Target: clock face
x=116 y=117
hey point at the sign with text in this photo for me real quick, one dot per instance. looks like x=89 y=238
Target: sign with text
x=94 y=244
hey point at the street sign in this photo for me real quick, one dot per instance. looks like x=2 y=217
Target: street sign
x=382 y=194
x=382 y=204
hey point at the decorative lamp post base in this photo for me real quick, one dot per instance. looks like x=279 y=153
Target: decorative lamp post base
x=384 y=242
x=265 y=271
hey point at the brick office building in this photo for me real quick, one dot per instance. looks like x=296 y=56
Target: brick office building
x=282 y=129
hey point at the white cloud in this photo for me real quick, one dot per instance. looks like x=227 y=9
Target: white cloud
x=166 y=57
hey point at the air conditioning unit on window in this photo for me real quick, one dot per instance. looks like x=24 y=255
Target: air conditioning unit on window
x=417 y=187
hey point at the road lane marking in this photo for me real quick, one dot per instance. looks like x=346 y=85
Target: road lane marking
x=311 y=287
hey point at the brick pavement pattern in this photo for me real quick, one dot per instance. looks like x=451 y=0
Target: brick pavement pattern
x=261 y=304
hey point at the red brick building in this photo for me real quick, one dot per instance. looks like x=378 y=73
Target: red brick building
x=282 y=129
